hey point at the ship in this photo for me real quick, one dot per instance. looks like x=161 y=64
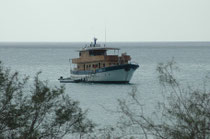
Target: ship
x=95 y=65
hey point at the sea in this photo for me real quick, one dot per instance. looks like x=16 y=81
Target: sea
x=101 y=100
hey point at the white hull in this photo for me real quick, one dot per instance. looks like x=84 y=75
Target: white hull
x=110 y=76
x=117 y=75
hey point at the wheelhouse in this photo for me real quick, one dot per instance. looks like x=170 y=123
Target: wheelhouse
x=96 y=57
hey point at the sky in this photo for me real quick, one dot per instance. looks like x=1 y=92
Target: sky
x=120 y=20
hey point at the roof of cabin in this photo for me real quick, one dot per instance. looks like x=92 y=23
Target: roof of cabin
x=94 y=46
x=98 y=48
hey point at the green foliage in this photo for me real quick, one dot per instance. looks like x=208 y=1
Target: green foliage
x=186 y=115
x=38 y=111
x=43 y=112
x=183 y=114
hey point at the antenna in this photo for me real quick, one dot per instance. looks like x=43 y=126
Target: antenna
x=105 y=37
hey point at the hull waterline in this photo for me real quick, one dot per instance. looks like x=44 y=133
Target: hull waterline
x=119 y=74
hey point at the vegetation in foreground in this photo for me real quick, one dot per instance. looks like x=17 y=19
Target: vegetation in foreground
x=37 y=111
x=184 y=113
x=44 y=112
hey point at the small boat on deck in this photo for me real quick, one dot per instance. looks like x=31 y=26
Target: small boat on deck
x=96 y=66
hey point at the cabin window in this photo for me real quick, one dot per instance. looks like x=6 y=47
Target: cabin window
x=79 y=53
x=104 y=65
x=97 y=52
x=91 y=53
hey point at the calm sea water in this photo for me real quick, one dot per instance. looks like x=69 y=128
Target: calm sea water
x=193 y=60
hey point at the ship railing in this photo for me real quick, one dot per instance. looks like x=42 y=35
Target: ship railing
x=111 y=58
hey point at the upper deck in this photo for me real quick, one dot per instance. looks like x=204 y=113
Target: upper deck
x=102 y=58
x=97 y=48
x=95 y=56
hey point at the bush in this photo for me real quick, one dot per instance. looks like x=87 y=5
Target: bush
x=38 y=111
x=184 y=114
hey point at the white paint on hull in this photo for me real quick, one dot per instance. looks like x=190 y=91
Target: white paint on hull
x=120 y=75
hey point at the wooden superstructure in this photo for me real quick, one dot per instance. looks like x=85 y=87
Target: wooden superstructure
x=95 y=57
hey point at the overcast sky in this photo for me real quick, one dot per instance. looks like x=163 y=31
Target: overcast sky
x=124 y=20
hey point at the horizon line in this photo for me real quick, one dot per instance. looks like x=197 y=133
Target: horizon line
x=104 y=42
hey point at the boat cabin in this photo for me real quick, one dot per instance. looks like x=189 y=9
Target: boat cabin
x=94 y=57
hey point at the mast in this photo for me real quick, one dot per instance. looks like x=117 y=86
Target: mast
x=95 y=39
x=105 y=37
